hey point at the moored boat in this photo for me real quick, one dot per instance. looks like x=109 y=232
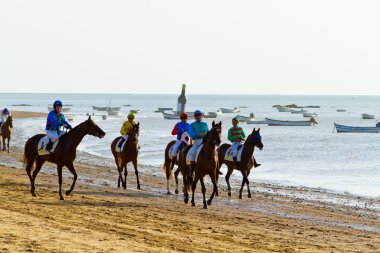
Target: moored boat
x=309 y=115
x=356 y=129
x=134 y=111
x=227 y=110
x=302 y=111
x=241 y=118
x=105 y=108
x=368 y=116
x=341 y=110
x=163 y=109
x=273 y=122
x=64 y=109
x=283 y=108
x=115 y=113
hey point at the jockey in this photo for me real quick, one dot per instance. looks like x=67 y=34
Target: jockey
x=178 y=130
x=126 y=129
x=4 y=115
x=55 y=121
x=236 y=135
x=197 y=131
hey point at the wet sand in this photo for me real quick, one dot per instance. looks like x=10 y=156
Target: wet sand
x=23 y=114
x=99 y=217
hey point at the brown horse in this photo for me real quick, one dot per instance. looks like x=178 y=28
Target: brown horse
x=170 y=163
x=129 y=154
x=206 y=163
x=6 y=132
x=64 y=153
x=247 y=160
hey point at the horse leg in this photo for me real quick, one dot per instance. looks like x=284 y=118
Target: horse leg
x=125 y=176
x=8 y=143
x=169 y=169
x=3 y=149
x=247 y=182
x=215 y=189
x=193 y=187
x=59 y=169
x=229 y=172
x=203 y=193
x=137 y=174
x=185 y=190
x=28 y=168
x=242 y=183
x=176 y=180
x=71 y=168
x=39 y=163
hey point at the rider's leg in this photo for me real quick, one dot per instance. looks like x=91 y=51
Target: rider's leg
x=122 y=143
x=234 y=154
x=53 y=137
x=255 y=164
x=175 y=150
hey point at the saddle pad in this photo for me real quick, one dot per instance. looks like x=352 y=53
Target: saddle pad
x=42 y=145
x=170 y=152
x=229 y=154
x=117 y=147
x=196 y=155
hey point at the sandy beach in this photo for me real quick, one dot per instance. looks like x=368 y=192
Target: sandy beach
x=99 y=217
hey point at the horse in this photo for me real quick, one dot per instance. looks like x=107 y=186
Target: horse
x=169 y=163
x=129 y=154
x=6 y=132
x=206 y=163
x=64 y=154
x=247 y=160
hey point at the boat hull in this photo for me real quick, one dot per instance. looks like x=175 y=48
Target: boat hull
x=353 y=129
x=272 y=122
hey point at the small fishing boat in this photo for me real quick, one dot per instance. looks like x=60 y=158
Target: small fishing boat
x=354 y=129
x=227 y=110
x=245 y=119
x=105 y=108
x=115 y=113
x=170 y=115
x=302 y=111
x=135 y=111
x=257 y=122
x=213 y=115
x=283 y=108
x=64 y=109
x=163 y=109
x=341 y=110
x=368 y=116
x=273 y=122
x=309 y=115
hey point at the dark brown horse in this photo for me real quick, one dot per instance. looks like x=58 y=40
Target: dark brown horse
x=169 y=163
x=129 y=154
x=247 y=160
x=64 y=153
x=206 y=163
x=6 y=132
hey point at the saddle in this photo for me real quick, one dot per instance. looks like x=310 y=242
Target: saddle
x=170 y=152
x=119 y=145
x=196 y=155
x=229 y=154
x=42 y=146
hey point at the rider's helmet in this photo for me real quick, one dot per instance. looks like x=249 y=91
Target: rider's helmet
x=131 y=116
x=183 y=115
x=5 y=111
x=197 y=112
x=57 y=103
x=236 y=119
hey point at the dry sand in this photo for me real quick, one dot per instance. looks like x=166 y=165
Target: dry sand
x=99 y=217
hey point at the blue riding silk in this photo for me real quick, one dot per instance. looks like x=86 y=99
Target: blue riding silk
x=196 y=128
x=56 y=120
x=180 y=128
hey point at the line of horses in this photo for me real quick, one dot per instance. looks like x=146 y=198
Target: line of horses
x=209 y=160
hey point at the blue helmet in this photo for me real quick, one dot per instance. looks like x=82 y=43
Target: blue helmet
x=57 y=103
x=5 y=110
x=197 y=112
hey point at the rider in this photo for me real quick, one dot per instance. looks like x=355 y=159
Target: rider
x=197 y=131
x=4 y=115
x=55 y=121
x=178 y=130
x=236 y=135
x=126 y=129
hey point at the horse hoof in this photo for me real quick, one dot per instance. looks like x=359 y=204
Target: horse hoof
x=34 y=195
x=138 y=187
x=168 y=193
x=209 y=202
x=192 y=204
x=176 y=191
x=186 y=200
x=217 y=194
x=68 y=193
x=240 y=197
x=229 y=194
x=205 y=207
x=249 y=196
x=61 y=198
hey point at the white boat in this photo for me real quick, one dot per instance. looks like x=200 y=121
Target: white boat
x=64 y=109
x=163 y=109
x=353 y=129
x=273 y=122
x=283 y=108
x=170 y=115
x=105 y=108
x=135 y=111
x=227 y=110
x=245 y=118
x=115 y=113
x=302 y=111
x=309 y=115
x=368 y=116
x=257 y=122
x=213 y=115
x=341 y=110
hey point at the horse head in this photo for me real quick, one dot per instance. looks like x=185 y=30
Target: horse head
x=93 y=129
x=134 y=136
x=215 y=134
x=255 y=139
x=9 y=121
x=185 y=138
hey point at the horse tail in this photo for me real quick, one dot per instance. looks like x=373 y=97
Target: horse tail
x=31 y=150
x=167 y=162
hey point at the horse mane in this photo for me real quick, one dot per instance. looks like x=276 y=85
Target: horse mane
x=75 y=129
x=206 y=136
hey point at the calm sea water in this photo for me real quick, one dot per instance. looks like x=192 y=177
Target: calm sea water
x=308 y=156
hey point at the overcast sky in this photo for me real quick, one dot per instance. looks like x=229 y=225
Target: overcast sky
x=254 y=47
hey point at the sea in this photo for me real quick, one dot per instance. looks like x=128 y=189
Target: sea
x=313 y=156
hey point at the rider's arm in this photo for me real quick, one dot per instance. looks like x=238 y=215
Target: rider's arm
x=230 y=138
x=192 y=133
x=243 y=134
x=175 y=129
x=52 y=120
x=123 y=130
x=65 y=123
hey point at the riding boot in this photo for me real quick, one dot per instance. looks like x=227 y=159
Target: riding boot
x=49 y=146
x=191 y=172
x=255 y=164
x=235 y=163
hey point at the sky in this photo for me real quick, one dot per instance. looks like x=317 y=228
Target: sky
x=324 y=47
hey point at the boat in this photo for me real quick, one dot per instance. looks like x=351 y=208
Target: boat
x=281 y=108
x=355 y=129
x=227 y=110
x=368 y=116
x=115 y=113
x=170 y=115
x=309 y=115
x=273 y=122
x=163 y=109
x=257 y=122
x=64 y=109
x=245 y=119
x=302 y=111
x=105 y=108
x=212 y=115
x=134 y=111
x=341 y=110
